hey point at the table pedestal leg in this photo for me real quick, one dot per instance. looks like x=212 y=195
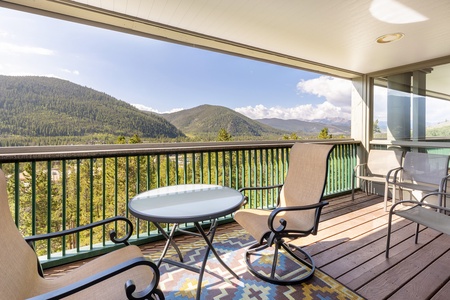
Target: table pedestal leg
x=205 y=259
x=168 y=242
x=210 y=247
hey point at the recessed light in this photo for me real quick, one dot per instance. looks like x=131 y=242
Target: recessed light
x=389 y=38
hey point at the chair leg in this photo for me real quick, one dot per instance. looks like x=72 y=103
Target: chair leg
x=275 y=278
x=353 y=187
x=388 y=239
x=368 y=188
x=386 y=191
x=274 y=262
x=416 y=239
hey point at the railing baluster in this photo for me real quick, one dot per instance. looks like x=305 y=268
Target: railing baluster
x=78 y=172
x=64 y=203
x=97 y=187
x=49 y=205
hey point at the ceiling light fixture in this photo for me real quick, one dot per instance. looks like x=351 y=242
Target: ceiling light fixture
x=389 y=38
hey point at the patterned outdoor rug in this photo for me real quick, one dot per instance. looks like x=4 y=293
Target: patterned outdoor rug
x=218 y=283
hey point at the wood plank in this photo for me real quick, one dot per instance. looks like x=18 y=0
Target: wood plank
x=443 y=293
x=375 y=209
x=355 y=227
x=343 y=228
x=347 y=231
x=360 y=250
x=341 y=210
x=428 y=281
x=343 y=201
x=372 y=268
x=399 y=274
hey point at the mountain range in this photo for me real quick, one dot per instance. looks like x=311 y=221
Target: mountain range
x=42 y=106
x=308 y=128
x=33 y=106
x=207 y=120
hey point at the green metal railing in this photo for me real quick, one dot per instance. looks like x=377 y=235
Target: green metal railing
x=52 y=189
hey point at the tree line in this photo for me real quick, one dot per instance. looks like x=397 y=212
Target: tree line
x=49 y=107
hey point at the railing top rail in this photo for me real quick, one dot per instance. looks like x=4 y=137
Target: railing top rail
x=39 y=153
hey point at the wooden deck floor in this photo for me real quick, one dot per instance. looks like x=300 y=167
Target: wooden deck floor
x=350 y=247
x=351 y=243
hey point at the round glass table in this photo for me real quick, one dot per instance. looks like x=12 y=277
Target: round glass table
x=187 y=203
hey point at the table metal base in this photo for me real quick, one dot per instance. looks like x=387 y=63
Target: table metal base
x=208 y=237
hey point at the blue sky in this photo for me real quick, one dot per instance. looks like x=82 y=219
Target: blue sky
x=161 y=76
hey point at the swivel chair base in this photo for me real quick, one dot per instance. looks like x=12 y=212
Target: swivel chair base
x=277 y=278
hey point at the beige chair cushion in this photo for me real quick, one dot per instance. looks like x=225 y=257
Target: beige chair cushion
x=304 y=185
x=114 y=287
x=19 y=278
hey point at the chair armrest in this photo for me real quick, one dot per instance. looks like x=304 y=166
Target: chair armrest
x=279 y=186
x=112 y=233
x=101 y=276
x=421 y=203
x=358 y=167
x=257 y=188
x=388 y=175
x=318 y=207
x=443 y=185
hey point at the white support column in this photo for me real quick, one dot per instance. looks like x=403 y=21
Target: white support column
x=361 y=112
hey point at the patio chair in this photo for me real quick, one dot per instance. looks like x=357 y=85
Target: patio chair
x=296 y=215
x=379 y=163
x=121 y=274
x=420 y=173
x=422 y=213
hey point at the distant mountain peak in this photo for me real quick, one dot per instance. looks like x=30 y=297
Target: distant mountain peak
x=308 y=128
x=207 y=120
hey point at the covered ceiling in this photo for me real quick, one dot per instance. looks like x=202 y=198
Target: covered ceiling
x=330 y=37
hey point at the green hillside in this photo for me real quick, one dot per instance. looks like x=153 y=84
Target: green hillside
x=33 y=106
x=306 y=128
x=207 y=120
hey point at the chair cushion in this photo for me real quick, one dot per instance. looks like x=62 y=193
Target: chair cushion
x=417 y=186
x=112 y=288
x=255 y=221
x=427 y=217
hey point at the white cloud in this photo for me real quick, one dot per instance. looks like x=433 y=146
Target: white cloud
x=301 y=112
x=74 y=72
x=337 y=94
x=9 y=48
x=336 y=91
x=146 y=108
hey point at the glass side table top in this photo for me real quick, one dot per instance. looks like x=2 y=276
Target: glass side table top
x=185 y=203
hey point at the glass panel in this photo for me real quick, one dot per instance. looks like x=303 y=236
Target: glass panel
x=413 y=105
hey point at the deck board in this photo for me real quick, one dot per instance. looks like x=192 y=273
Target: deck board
x=398 y=275
x=443 y=293
x=350 y=246
x=427 y=281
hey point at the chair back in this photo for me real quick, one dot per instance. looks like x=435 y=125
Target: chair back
x=17 y=260
x=380 y=162
x=307 y=174
x=425 y=168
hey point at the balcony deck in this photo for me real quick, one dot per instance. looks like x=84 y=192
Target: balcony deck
x=350 y=247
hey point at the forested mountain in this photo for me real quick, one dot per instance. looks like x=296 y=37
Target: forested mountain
x=305 y=127
x=208 y=120
x=47 y=107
